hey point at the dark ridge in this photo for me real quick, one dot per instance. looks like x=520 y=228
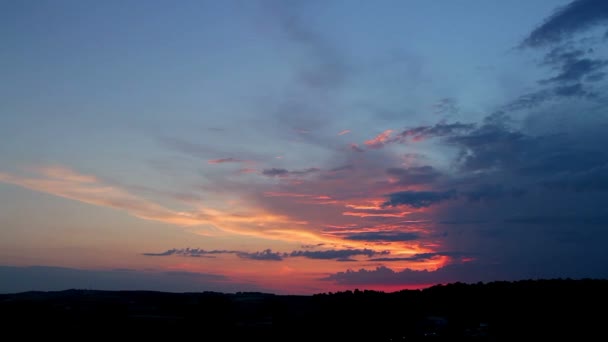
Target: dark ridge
x=496 y=311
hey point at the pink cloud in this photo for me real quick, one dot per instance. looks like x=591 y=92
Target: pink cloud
x=346 y=131
x=380 y=140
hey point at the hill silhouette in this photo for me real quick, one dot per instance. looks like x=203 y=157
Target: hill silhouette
x=496 y=311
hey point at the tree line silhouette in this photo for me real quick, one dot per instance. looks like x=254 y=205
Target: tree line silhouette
x=496 y=311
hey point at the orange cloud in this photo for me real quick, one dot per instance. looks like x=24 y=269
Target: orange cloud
x=66 y=183
x=380 y=140
x=249 y=221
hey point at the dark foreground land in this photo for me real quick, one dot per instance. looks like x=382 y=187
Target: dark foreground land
x=499 y=311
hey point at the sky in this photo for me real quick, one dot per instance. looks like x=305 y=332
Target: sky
x=301 y=147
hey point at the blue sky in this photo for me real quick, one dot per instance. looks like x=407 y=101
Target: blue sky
x=394 y=139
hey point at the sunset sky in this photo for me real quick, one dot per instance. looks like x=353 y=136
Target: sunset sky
x=299 y=147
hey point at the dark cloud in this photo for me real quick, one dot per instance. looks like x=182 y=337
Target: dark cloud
x=418 y=199
x=572 y=90
x=470 y=273
x=596 y=77
x=421 y=256
x=493 y=191
x=561 y=55
x=190 y=252
x=305 y=172
x=274 y=172
x=269 y=255
x=559 y=219
x=575 y=17
x=263 y=255
x=356 y=148
x=347 y=167
x=166 y=253
x=336 y=254
x=575 y=69
x=573 y=65
x=438 y=130
x=490 y=146
x=572 y=60
x=461 y=221
x=383 y=236
x=595 y=178
x=530 y=100
x=414 y=175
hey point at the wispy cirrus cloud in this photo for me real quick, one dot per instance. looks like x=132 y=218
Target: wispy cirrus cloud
x=63 y=182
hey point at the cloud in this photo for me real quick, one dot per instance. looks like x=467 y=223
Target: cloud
x=451 y=273
x=274 y=172
x=224 y=160
x=421 y=257
x=575 y=17
x=190 y=252
x=595 y=178
x=560 y=220
x=263 y=255
x=336 y=254
x=356 y=148
x=346 y=131
x=66 y=183
x=418 y=199
x=437 y=130
x=380 y=140
x=305 y=172
x=383 y=236
x=347 y=167
x=269 y=255
x=493 y=191
x=572 y=66
x=414 y=175
x=250 y=221
x=197 y=252
x=490 y=146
